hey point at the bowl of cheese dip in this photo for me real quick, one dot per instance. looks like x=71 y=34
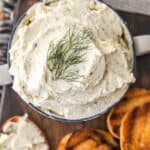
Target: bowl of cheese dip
x=71 y=60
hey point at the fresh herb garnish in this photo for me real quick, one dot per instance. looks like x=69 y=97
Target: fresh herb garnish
x=68 y=52
x=53 y=112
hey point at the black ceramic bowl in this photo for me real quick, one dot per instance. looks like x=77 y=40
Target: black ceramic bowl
x=57 y=117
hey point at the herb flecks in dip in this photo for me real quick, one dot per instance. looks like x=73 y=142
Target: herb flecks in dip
x=81 y=83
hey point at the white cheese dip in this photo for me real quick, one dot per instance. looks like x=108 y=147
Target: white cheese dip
x=22 y=135
x=104 y=74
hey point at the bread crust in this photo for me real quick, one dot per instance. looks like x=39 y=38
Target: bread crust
x=87 y=139
x=133 y=98
x=135 y=129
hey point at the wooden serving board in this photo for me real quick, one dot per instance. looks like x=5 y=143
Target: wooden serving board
x=12 y=104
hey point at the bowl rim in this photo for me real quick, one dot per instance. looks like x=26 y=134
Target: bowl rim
x=57 y=117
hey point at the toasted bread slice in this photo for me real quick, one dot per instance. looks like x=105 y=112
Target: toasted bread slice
x=107 y=137
x=135 y=129
x=62 y=144
x=136 y=92
x=88 y=139
x=20 y=132
x=127 y=104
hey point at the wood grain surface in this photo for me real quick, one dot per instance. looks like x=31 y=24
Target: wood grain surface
x=54 y=130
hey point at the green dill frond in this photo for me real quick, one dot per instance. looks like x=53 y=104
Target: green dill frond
x=66 y=53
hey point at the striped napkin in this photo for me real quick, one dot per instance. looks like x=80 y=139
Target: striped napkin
x=8 y=10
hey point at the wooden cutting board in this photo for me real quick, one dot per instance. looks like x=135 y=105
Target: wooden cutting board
x=12 y=104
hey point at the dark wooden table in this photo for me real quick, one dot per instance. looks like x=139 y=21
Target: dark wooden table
x=54 y=130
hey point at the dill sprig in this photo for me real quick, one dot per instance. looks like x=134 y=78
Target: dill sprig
x=68 y=52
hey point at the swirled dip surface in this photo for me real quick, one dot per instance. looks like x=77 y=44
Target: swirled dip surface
x=103 y=76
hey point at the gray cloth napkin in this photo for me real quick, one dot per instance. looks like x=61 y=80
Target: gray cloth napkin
x=7 y=16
